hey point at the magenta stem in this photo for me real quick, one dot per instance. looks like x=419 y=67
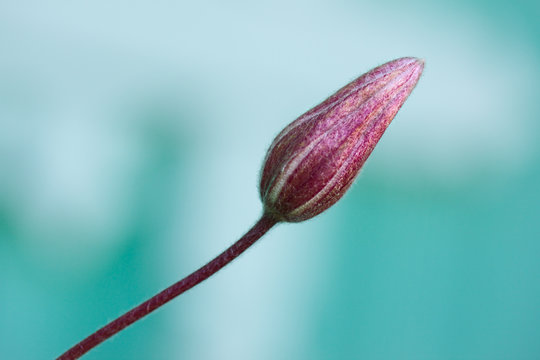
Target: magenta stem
x=255 y=233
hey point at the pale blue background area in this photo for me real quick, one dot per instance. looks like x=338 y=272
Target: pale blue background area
x=132 y=134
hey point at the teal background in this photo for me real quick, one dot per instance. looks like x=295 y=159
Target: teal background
x=131 y=138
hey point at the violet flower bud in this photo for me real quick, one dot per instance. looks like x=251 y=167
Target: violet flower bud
x=316 y=158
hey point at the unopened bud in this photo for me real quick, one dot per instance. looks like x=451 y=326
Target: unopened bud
x=315 y=159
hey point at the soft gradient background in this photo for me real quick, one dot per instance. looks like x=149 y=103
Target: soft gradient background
x=132 y=134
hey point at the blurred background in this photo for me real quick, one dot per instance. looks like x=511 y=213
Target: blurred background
x=131 y=139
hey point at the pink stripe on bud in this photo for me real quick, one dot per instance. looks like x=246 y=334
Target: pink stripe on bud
x=315 y=159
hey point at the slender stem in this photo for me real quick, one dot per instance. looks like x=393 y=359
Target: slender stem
x=264 y=224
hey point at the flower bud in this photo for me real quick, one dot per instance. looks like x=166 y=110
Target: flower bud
x=315 y=159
